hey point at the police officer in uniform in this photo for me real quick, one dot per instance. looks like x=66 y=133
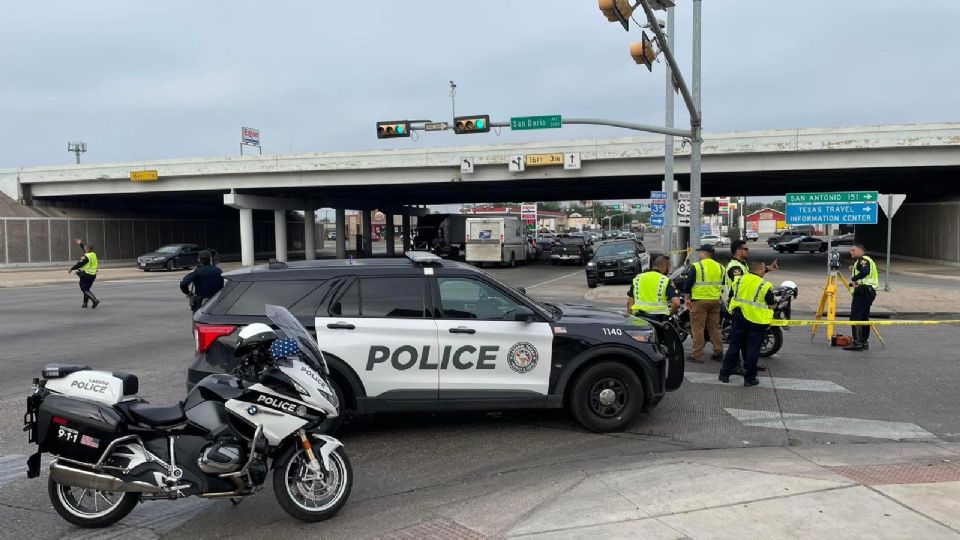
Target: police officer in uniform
x=86 y=269
x=651 y=295
x=702 y=293
x=735 y=268
x=207 y=280
x=865 y=280
x=752 y=308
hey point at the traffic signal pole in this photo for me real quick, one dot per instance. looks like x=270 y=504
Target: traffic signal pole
x=670 y=228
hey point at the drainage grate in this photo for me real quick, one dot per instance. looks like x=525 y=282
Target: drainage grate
x=437 y=529
x=901 y=473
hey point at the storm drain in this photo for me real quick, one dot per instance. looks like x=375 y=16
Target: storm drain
x=437 y=529
x=901 y=473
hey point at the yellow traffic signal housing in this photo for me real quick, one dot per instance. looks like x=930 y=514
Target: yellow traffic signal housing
x=392 y=129
x=617 y=11
x=478 y=123
x=643 y=52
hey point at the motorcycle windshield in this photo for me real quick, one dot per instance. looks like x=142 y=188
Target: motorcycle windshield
x=290 y=327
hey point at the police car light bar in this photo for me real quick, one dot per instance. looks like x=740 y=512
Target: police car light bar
x=424 y=258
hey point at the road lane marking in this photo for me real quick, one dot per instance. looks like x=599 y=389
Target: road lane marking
x=836 y=425
x=779 y=383
x=555 y=279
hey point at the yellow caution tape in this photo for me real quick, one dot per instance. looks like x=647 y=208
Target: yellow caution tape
x=841 y=322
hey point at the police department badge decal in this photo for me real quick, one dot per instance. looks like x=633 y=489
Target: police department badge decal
x=522 y=357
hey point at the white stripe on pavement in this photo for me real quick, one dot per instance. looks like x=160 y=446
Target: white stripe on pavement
x=565 y=276
x=836 y=425
x=780 y=383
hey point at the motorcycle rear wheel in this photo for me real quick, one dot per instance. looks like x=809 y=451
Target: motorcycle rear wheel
x=90 y=508
x=303 y=494
x=772 y=342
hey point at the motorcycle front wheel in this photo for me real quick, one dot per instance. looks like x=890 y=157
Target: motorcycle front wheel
x=90 y=508
x=308 y=495
x=772 y=342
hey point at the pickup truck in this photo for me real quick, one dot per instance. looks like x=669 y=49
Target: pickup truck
x=569 y=248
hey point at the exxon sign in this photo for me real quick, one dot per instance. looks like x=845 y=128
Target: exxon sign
x=250 y=136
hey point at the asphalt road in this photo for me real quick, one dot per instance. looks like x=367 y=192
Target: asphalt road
x=813 y=395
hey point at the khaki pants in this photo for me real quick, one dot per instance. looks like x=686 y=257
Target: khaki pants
x=705 y=314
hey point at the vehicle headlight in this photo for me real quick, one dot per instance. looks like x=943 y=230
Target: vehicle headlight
x=591 y=263
x=630 y=261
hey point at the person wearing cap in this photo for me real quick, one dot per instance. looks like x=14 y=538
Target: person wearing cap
x=206 y=281
x=738 y=266
x=752 y=310
x=702 y=292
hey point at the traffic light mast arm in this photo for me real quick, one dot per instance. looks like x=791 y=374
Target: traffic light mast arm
x=695 y=119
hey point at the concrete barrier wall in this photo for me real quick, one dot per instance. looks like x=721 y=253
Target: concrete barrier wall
x=921 y=230
x=39 y=241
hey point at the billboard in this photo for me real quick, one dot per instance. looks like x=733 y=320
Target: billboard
x=250 y=136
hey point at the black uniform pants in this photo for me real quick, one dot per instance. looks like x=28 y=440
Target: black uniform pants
x=863 y=297
x=86 y=281
x=746 y=338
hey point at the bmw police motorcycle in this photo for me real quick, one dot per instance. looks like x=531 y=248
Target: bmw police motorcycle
x=112 y=449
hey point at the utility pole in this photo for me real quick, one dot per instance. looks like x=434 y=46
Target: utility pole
x=696 y=128
x=453 y=99
x=77 y=148
x=670 y=223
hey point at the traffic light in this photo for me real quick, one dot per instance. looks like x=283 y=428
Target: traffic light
x=395 y=128
x=643 y=51
x=479 y=123
x=617 y=10
x=711 y=208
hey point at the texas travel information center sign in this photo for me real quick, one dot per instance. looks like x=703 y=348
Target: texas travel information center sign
x=848 y=208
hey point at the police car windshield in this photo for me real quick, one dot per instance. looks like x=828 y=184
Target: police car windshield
x=617 y=248
x=548 y=310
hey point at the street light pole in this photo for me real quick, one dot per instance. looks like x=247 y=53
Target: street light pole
x=670 y=220
x=696 y=128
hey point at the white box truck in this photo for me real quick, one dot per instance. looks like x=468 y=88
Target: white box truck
x=500 y=240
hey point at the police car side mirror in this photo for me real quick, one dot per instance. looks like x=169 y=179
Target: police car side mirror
x=523 y=314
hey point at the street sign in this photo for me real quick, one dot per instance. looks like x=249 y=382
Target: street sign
x=542 y=160
x=656 y=221
x=571 y=161
x=837 y=197
x=826 y=214
x=536 y=122
x=614 y=206
x=466 y=165
x=683 y=204
x=658 y=194
x=515 y=164
x=891 y=203
x=658 y=209
x=436 y=126
x=683 y=221
x=637 y=206
x=143 y=176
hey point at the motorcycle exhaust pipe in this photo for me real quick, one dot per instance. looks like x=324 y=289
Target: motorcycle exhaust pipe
x=69 y=476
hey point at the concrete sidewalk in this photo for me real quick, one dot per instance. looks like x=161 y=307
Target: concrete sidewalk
x=886 y=490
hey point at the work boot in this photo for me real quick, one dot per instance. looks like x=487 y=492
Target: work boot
x=694 y=360
x=855 y=346
x=739 y=371
x=724 y=378
x=96 y=302
x=751 y=382
x=717 y=357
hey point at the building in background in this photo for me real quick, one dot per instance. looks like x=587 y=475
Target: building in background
x=766 y=220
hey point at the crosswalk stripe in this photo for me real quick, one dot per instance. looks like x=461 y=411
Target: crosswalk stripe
x=836 y=425
x=780 y=383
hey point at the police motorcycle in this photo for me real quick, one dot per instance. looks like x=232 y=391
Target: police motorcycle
x=112 y=449
x=772 y=340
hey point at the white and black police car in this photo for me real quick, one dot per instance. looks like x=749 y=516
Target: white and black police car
x=425 y=334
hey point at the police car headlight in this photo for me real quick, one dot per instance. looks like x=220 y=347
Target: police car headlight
x=591 y=263
x=630 y=261
x=642 y=337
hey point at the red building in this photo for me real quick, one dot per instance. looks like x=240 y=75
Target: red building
x=766 y=220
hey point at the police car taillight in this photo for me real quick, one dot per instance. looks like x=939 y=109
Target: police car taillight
x=205 y=334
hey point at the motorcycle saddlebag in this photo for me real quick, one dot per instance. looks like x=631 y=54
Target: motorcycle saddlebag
x=76 y=428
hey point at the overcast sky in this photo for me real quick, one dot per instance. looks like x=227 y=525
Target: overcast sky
x=140 y=81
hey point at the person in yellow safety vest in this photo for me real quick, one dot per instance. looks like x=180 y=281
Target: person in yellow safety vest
x=702 y=292
x=736 y=268
x=86 y=268
x=651 y=294
x=865 y=280
x=752 y=309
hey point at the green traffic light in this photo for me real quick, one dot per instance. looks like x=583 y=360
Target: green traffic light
x=479 y=123
x=400 y=128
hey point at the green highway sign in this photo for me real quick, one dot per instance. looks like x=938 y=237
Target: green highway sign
x=536 y=122
x=836 y=197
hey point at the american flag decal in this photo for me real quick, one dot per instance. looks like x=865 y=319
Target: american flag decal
x=87 y=440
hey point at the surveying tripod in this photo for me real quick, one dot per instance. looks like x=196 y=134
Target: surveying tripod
x=828 y=301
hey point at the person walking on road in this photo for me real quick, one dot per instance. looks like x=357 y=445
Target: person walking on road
x=86 y=269
x=651 y=295
x=865 y=280
x=752 y=308
x=206 y=279
x=702 y=292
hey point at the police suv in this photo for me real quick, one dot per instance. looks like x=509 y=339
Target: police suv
x=425 y=334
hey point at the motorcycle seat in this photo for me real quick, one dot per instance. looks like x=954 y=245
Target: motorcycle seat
x=156 y=415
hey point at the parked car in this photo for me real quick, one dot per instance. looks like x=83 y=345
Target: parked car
x=569 y=248
x=785 y=236
x=845 y=240
x=803 y=243
x=617 y=261
x=174 y=256
x=752 y=235
x=331 y=235
x=714 y=240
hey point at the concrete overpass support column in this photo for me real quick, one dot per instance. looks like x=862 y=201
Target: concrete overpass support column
x=407 y=233
x=366 y=224
x=340 y=228
x=391 y=237
x=280 y=233
x=310 y=234
x=246 y=236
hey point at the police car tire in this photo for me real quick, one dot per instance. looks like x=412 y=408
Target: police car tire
x=628 y=390
x=591 y=284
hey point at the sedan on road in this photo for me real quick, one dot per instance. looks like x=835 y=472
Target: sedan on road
x=752 y=236
x=803 y=243
x=174 y=256
x=714 y=240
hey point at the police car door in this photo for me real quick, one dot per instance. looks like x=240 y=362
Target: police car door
x=380 y=328
x=485 y=356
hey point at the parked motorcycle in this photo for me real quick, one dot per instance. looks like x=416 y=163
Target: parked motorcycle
x=112 y=449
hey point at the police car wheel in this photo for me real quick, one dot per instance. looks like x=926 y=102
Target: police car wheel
x=606 y=397
x=592 y=284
